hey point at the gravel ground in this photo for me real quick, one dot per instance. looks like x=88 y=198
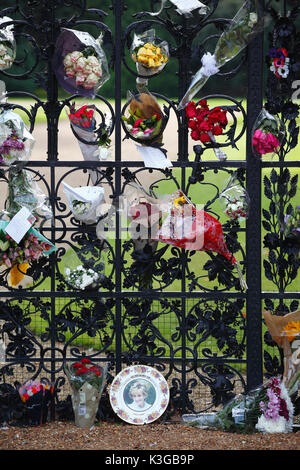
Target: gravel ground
x=153 y=437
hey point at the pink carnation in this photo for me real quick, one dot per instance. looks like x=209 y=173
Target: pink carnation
x=265 y=143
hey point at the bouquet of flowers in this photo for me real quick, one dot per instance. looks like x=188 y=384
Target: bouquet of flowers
x=266 y=409
x=37 y=397
x=94 y=144
x=23 y=191
x=234 y=199
x=17 y=256
x=7 y=44
x=145 y=119
x=149 y=54
x=15 y=140
x=191 y=229
x=87 y=381
x=280 y=62
x=206 y=123
x=267 y=135
x=85 y=202
x=242 y=29
x=82 y=277
x=80 y=63
x=285 y=330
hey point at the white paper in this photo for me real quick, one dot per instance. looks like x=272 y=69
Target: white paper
x=183 y=7
x=85 y=193
x=20 y=224
x=186 y=6
x=153 y=157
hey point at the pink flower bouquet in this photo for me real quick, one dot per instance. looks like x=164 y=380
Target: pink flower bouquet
x=267 y=135
x=79 y=62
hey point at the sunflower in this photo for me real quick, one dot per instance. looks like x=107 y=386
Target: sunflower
x=291 y=330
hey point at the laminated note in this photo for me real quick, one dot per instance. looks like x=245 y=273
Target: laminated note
x=20 y=224
x=153 y=157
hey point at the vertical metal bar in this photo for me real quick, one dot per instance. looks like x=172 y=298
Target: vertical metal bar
x=253 y=232
x=118 y=10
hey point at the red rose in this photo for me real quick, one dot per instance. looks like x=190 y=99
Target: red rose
x=157 y=116
x=205 y=126
x=203 y=104
x=190 y=110
x=202 y=113
x=193 y=124
x=204 y=137
x=195 y=135
x=217 y=130
x=76 y=365
x=85 y=360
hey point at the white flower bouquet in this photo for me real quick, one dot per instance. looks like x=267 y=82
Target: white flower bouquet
x=7 y=44
x=234 y=199
x=243 y=28
x=16 y=142
x=85 y=202
x=79 y=62
x=82 y=277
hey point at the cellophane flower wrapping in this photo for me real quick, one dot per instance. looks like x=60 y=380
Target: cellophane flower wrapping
x=85 y=202
x=234 y=199
x=243 y=28
x=81 y=272
x=16 y=142
x=191 y=228
x=205 y=124
x=83 y=123
x=144 y=120
x=80 y=63
x=267 y=409
x=267 y=135
x=87 y=381
x=24 y=191
x=36 y=396
x=149 y=53
x=18 y=256
x=7 y=44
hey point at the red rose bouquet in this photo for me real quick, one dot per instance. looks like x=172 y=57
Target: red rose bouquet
x=206 y=123
x=87 y=381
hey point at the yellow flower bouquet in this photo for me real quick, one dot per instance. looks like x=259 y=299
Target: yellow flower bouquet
x=150 y=54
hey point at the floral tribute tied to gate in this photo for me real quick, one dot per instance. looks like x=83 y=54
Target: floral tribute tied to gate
x=243 y=28
x=7 y=44
x=80 y=63
x=206 y=123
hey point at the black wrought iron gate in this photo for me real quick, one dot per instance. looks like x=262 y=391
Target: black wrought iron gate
x=192 y=322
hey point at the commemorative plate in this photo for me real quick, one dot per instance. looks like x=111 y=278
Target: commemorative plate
x=139 y=394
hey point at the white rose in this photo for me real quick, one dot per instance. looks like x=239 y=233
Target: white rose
x=80 y=79
x=75 y=55
x=97 y=71
x=93 y=61
x=80 y=64
x=67 y=61
x=70 y=72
